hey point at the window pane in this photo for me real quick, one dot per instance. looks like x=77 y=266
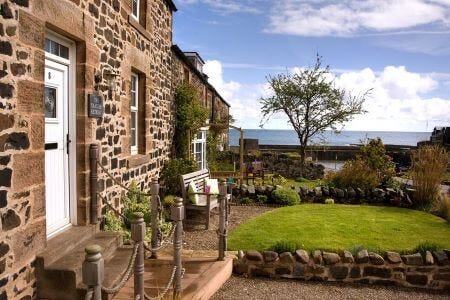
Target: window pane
x=133 y=120
x=56 y=49
x=198 y=147
x=133 y=137
x=133 y=98
x=50 y=102
x=135 y=7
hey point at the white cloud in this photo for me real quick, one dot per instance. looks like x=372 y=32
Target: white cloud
x=226 y=6
x=399 y=100
x=352 y=17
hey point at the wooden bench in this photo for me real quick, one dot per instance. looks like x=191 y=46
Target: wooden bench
x=206 y=201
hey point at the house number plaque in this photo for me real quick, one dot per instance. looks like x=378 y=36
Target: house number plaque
x=95 y=106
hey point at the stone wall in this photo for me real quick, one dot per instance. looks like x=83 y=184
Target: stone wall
x=431 y=271
x=107 y=42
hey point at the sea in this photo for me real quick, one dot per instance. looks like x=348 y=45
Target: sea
x=344 y=138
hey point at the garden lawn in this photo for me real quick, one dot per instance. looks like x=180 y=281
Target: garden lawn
x=341 y=227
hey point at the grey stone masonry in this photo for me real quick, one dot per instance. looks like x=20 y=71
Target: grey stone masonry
x=368 y=268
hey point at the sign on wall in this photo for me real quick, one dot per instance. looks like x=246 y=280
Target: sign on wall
x=95 y=109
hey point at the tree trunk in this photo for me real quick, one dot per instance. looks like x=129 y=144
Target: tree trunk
x=302 y=154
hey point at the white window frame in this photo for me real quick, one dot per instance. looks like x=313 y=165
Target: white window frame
x=134 y=110
x=136 y=16
x=202 y=141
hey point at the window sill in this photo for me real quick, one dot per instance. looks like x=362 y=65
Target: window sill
x=133 y=22
x=138 y=160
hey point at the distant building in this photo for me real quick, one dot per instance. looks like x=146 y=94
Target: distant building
x=440 y=135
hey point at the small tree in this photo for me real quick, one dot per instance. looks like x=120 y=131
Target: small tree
x=190 y=114
x=311 y=102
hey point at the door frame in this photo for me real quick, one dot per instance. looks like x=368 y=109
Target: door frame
x=72 y=113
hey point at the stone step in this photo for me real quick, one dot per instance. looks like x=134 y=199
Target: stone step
x=64 y=242
x=60 y=279
x=115 y=268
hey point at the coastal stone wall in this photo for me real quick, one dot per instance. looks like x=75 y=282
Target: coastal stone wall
x=430 y=271
x=109 y=46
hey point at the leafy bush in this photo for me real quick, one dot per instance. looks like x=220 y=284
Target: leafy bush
x=427 y=246
x=114 y=223
x=262 y=199
x=246 y=200
x=281 y=247
x=278 y=180
x=134 y=201
x=285 y=196
x=371 y=168
x=169 y=200
x=373 y=153
x=172 y=171
x=441 y=207
x=354 y=174
x=329 y=201
x=429 y=164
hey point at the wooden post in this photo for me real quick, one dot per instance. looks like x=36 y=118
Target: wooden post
x=241 y=155
x=137 y=235
x=93 y=155
x=177 y=214
x=93 y=270
x=154 y=191
x=222 y=219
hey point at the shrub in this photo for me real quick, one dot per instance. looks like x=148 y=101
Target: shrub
x=354 y=174
x=285 y=196
x=189 y=114
x=169 y=200
x=281 y=247
x=278 y=180
x=262 y=198
x=373 y=153
x=172 y=171
x=246 y=200
x=441 y=207
x=301 y=179
x=329 y=201
x=134 y=201
x=429 y=164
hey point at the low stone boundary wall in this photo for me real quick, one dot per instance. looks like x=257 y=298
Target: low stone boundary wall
x=431 y=271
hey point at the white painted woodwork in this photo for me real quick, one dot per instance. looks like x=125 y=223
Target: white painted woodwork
x=56 y=160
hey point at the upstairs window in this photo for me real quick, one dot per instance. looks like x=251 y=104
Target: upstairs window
x=135 y=7
x=134 y=112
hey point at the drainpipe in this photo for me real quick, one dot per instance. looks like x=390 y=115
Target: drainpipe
x=93 y=155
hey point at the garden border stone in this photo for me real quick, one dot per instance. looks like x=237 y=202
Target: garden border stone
x=368 y=268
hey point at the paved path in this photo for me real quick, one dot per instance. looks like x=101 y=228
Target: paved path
x=259 y=288
x=203 y=276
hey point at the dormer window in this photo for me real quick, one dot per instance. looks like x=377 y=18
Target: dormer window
x=135 y=9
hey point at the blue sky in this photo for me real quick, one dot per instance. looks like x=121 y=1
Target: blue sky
x=399 y=48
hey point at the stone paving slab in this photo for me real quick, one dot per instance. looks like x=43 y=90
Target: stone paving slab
x=203 y=276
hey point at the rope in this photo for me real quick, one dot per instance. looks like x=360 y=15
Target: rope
x=163 y=242
x=119 y=183
x=89 y=294
x=118 y=213
x=166 y=289
x=127 y=274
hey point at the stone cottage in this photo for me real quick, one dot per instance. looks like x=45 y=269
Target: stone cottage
x=188 y=68
x=76 y=73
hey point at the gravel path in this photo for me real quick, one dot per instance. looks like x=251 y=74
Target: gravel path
x=197 y=238
x=260 y=288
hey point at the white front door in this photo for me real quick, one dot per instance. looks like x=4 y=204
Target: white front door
x=56 y=147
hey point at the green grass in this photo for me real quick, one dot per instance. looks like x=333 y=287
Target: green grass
x=305 y=183
x=342 y=227
x=447 y=176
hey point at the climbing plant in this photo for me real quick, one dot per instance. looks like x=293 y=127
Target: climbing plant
x=190 y=114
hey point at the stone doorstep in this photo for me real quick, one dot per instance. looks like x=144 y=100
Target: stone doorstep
x=64 y=274
x=64 y=242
